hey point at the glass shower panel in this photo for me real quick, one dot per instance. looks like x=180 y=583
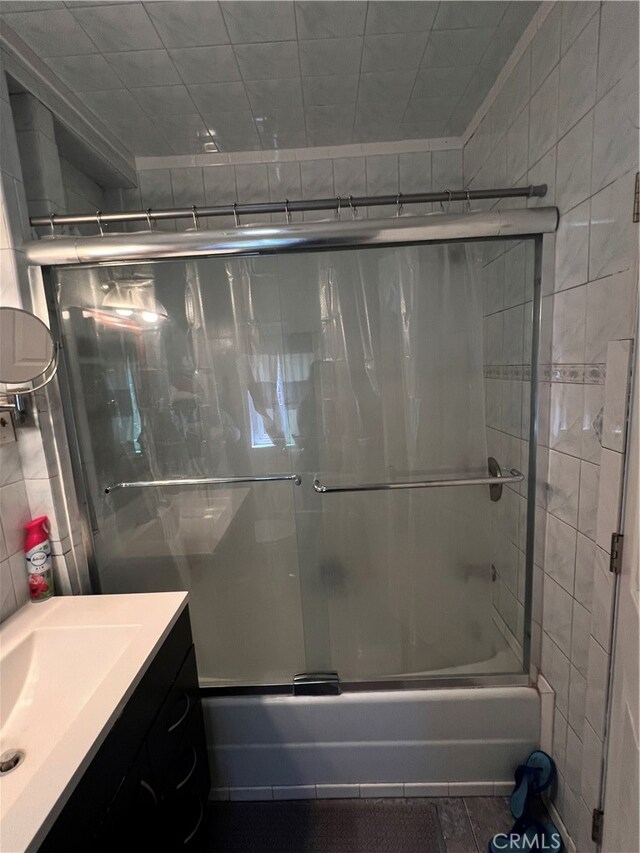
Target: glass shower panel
x=350 y=367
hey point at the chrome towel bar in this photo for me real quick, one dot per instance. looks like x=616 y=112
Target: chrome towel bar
x=514 y=476
x=203 y=481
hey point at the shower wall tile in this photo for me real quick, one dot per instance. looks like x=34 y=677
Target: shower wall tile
x=616 y=395
x=577 y=95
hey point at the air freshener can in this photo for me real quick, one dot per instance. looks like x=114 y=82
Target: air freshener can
x=37 y=552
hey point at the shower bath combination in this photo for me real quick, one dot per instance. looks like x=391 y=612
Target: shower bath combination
x=298 y=424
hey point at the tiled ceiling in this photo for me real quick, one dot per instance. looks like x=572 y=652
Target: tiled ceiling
x=185 y=77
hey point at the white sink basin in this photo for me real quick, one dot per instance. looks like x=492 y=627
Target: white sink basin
x=67 y=667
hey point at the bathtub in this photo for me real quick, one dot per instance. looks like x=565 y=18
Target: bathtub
x=437 y=742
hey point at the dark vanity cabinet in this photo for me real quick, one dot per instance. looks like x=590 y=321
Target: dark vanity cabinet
x=147 y=787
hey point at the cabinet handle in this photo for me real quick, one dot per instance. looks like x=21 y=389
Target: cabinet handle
x=197 y=826
x=147 y=787
x=179 y=722
x=190 y=773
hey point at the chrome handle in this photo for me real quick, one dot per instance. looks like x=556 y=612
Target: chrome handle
x=203 y=481
x=179 y=722
x=190 y=773
x=514 y=476
x=197 y=826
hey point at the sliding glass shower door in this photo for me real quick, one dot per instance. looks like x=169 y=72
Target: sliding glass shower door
x=349 y=369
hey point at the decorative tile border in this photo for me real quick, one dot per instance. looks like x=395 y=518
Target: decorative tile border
x=364 y=790
x=569 y=374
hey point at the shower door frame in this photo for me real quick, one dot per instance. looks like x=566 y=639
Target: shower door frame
x=59 y=257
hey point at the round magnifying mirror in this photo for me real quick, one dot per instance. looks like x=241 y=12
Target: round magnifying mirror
x=26 y=346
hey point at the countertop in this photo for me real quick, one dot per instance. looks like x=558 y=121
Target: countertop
x=32 y=795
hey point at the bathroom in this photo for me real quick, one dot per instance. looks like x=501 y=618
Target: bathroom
x=388 y=249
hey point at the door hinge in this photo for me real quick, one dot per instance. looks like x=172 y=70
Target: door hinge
x=597 y=819
x=615 y=562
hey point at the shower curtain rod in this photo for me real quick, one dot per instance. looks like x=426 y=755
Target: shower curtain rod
x=337 y=203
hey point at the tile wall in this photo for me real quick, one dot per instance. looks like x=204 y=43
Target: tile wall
x=259 y=181
x=567 y=116
x=35 y=468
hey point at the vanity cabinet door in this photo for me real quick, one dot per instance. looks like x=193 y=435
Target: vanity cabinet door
x=135 y=819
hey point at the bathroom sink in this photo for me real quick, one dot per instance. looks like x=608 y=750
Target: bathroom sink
x=67 y=666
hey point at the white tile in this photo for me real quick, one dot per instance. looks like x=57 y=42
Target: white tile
x=18 y=571
x=470 y=789
x=8 y=602
x=274 y=94
x=188 y=24
x=569 y=326
x=616 y=395
x=248 y=794
x=322 y=19
x=596 y=687
x=578 y=78
x=580 y=628
x=613 y=240
x=558 y=606
x=585 y=557
x=573 y=178
x=615 y=142
x=467 y=14
x=259 y=22
x=10 y=467
x=592 y=755
x=559 y=741
x=187 y=186
x=317 y=179
x=337 y=792
x=14 y=512
x=543 y=126
x=566 y=418
x=349 y=176
x=393 y=52
x=592 y=423
x=426 y=789
x=214 y=64
x=330 y=89
x=602 y=602
x=144 y=67
x=518 y=148
x=382 y=174
x=226 y=97
x=610 y=310
x=573 y=760
x=118 y=27
x=577 y=696
x=469 y=43
x=158 y=100
x=252 y=182
x=51 y=32
x=618 y=50
x=572 y=247
x=609 y=497
x=446 y=169
x=294 y=792
x=381 y=790
x=265 y=61
x=513 y=335
x=588 y=502
x=564 y=483
x=85 y=73
x=545 y=48
x=517 y=89
x=330 y=56
x=575 y=16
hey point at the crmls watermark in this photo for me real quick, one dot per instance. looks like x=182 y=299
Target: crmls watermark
x=515 y=841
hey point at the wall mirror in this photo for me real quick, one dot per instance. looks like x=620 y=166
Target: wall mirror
x=28 y=357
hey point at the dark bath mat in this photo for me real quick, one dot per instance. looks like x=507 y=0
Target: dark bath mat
x=325 y=826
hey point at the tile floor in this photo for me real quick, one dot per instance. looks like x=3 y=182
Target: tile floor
x=442 y=825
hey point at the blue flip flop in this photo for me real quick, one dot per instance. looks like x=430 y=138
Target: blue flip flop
x=528 y=836
x=532 y=778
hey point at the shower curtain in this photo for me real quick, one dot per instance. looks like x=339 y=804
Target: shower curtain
x=397 y=581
